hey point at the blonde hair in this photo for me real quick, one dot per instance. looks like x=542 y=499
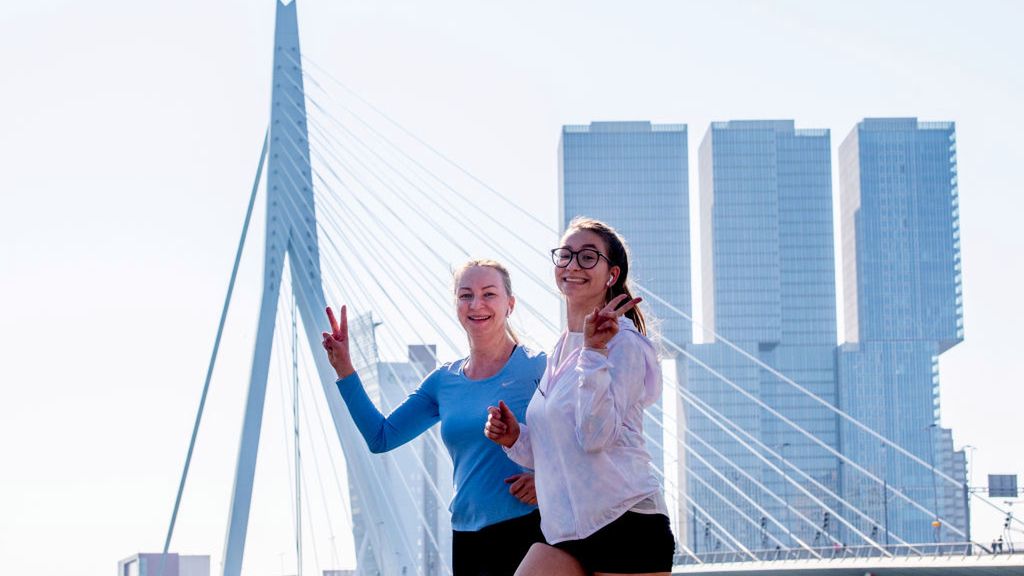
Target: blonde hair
x=506 y=279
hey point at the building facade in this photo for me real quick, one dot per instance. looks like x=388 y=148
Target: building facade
x=902 y=309
x=768 y=293
x=419 y=471
x=635 y=176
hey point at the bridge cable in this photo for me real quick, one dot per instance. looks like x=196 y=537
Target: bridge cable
x=213 y=355
x=278 y=349
x=324 y=205
x=462 y=197
x=759 y=484
x=736 y=542
x=295 y=425
x=293 y=226
x=839 y=412
x=803 y=431
x=423 y=143
x=650 y=438
x=689 y=450
x=371 y=214
x=416 y=264
x=461 y=220
x=421 y=518
x=311 y=401
x=329 y=237
x=716 y=418
x=430 y=481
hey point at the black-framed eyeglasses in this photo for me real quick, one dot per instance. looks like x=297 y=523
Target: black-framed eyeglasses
x=587 y=258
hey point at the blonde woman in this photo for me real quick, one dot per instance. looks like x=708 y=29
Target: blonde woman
x=494 y=513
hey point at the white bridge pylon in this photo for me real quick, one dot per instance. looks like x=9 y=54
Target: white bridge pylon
x=291 y=231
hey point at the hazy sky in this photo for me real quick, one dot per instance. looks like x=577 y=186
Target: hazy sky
x=130 y=137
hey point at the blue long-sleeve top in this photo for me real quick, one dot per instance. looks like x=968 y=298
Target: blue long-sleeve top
x=460 y=404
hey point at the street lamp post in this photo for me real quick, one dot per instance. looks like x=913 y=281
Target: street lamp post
x=935 y=491
x=785 y=491
x=970 y=464
x=885 y=492
x=967 y=488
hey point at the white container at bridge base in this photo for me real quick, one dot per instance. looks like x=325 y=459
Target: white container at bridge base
x=143 y=564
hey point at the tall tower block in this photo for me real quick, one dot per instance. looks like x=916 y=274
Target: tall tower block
x=899 y=197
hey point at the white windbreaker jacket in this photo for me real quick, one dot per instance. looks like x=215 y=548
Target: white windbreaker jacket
x=585 y=437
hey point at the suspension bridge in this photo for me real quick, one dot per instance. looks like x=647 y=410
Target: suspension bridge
x=362 y=211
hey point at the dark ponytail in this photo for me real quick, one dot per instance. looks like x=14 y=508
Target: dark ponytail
x=618 y=255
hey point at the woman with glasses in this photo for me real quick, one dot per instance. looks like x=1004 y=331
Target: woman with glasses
x=603 y=509
x=494 y=512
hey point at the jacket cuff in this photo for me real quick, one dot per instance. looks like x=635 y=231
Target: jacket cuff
x=591 y=361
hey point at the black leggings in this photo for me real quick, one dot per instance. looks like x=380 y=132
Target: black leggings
x=495 y=550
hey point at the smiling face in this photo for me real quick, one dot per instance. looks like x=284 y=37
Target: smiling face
x=482 y=301
x=585 y=285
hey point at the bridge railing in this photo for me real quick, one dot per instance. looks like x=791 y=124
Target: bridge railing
x=839 y=552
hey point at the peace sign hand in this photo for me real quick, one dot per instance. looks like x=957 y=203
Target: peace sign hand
x=601 y=325
x=336 y=344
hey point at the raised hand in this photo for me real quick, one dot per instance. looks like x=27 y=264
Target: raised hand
x=522 y=487
x=601 y=325
x=336 y=344
x=502 y=426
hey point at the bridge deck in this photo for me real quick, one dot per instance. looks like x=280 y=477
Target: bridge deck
x=988 y=565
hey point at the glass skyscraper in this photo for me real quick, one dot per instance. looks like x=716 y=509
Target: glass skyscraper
x=903 y=308
x=768 y=286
